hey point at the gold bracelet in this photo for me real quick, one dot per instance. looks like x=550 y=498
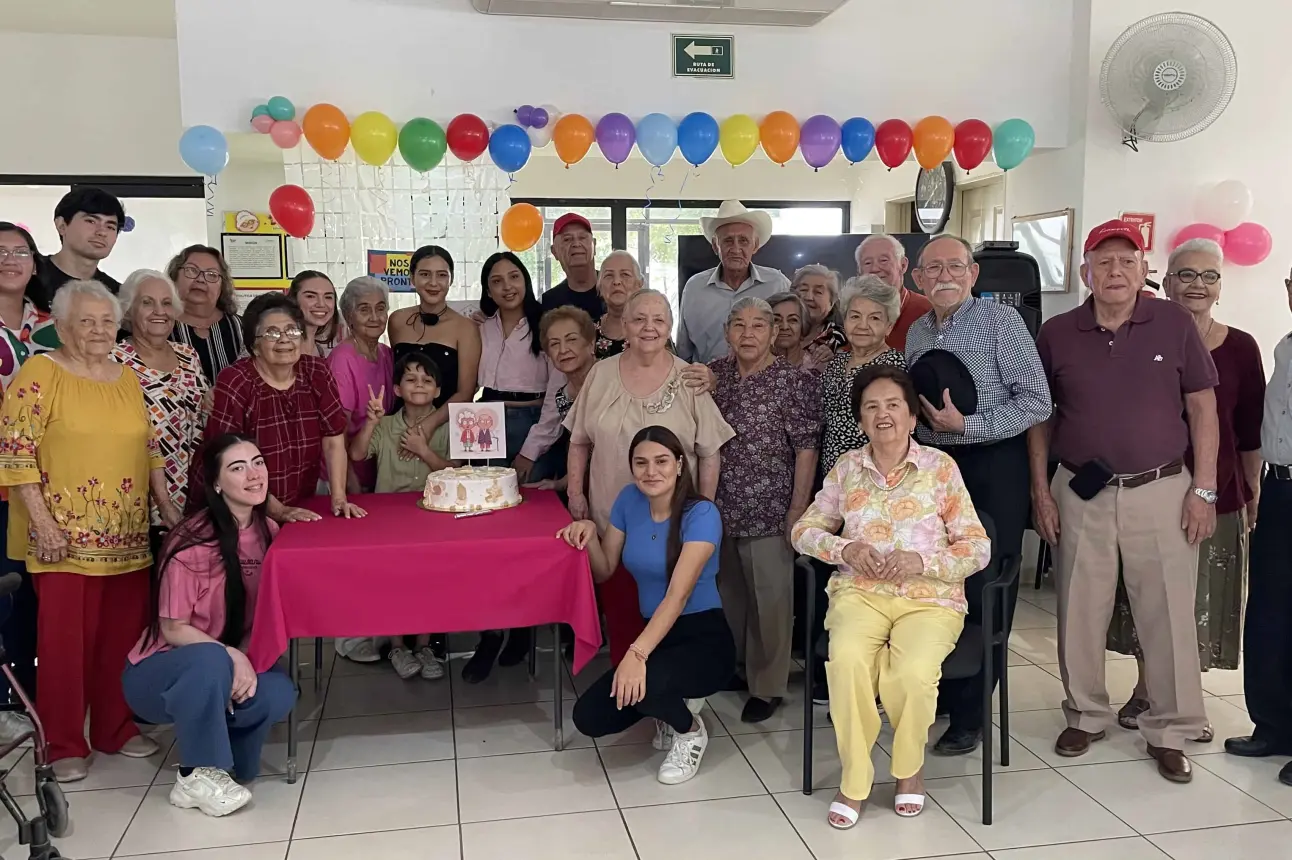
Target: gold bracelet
x=636 y=649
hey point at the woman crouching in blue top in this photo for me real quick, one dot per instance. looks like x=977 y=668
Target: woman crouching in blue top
x=667 y=536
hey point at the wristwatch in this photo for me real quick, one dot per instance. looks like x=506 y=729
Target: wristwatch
x=1208 y=496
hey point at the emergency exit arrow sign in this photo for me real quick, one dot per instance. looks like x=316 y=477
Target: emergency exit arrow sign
x=703 y=56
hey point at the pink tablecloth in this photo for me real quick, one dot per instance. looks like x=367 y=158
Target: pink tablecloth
x=402 y=570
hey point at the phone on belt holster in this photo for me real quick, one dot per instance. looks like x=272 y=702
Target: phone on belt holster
x=1088 y=480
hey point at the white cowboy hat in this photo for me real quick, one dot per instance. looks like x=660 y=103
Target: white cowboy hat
x=732 y=212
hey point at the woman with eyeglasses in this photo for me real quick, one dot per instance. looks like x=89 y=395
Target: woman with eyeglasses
x=1193 y=280
x=209 y=322
x=289 y=404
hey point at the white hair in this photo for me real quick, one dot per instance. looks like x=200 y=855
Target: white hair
x=130 y=291
x=637 y=269
x=876 y=289
x=760 y=305
x=61 y=308
x=356 y=290
x=898 y=248
x=642 y=295
x=811 y=269
x=1210 y=247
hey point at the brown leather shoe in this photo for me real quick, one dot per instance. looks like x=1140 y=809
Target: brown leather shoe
x=1172 y=764
x=1075 y=742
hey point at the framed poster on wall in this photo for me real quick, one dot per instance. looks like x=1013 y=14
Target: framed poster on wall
x=255 y=248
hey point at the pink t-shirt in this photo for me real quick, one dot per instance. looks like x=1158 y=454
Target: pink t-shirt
x=192 y=588
x=354 y=375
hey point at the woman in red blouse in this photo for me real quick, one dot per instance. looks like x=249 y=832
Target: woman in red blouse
x=288 y=403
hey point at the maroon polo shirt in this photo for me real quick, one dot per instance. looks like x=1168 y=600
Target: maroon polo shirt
x=1119 y=397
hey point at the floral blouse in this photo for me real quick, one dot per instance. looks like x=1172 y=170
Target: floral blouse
x=921 y=506
x=841 y=431
x=90 y=447
x=34 y=335
x=174 y=401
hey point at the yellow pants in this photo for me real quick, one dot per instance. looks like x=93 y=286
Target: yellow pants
x=896 y=646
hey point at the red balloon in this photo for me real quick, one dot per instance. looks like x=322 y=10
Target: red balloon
x=468 y=136
x=973 y=142
x=293 y=209
x=893 y=142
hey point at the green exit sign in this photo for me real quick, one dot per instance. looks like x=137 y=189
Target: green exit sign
x=703 y=56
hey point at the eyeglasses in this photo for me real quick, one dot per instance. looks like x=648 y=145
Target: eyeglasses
x=1188 y=276
x=955 y=270
x=20 y=255
x=193 y=273
x=276 y=335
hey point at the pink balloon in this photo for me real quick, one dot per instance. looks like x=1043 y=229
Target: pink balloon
x=1247 y=244
x=286 y=133
x=1199 y=231
x=262 y=123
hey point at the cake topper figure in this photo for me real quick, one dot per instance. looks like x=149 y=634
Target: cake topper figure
x=481 y=432
x=466 y=421
x=484 y=421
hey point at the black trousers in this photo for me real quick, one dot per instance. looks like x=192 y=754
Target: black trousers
x=996 y=475
x=694 y=660
x=1267 y=638
x=17 y=628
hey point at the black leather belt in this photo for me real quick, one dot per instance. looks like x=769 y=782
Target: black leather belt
x=493 y=395
x=1130 y=482
x=1280 y=473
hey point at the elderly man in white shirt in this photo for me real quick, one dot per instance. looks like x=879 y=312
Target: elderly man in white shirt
x=736 y=233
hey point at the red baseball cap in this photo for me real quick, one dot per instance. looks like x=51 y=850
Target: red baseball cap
x=1115 y=229
x=570 y=218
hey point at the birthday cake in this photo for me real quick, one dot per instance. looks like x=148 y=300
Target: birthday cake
x=468 y=489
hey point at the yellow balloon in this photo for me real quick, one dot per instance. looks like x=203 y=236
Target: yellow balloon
x=374 y=136
x=738 y=137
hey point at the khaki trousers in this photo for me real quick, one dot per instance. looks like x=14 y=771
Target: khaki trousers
x=756 y=584
x=893 y=646
x=1160 y=570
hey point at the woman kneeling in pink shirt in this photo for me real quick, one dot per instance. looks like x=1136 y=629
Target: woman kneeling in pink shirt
x=189 y=668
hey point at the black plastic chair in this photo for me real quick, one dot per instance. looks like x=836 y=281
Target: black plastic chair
x=973 y=651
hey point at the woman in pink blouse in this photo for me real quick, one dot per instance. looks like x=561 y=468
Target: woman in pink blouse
x=362 y=364
x=909 y=539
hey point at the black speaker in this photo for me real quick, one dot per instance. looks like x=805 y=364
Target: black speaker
x=1008 y=276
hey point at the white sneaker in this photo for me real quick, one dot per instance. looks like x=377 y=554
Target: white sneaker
x=211 y=790
x=683 y=759
x=663 y=736
x=432 y=668
x=406 y=665
x=14 y=725
x=360 y=649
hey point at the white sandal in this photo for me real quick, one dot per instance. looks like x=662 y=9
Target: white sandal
x=844 y=811
x=916 y=800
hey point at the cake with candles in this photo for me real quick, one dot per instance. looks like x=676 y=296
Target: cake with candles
x=471 y=489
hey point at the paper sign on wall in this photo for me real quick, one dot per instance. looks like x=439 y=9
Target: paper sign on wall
x=1145 y=222
x=391 y=268
x=477 y=431
x=255 y=249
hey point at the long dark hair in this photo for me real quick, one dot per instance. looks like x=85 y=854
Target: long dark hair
x=532 y=308
x=35 y=290
x=328 y=334
x=426 y=252
x=685 y=495
x=214 y=526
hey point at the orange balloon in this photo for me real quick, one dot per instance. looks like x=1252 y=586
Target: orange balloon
x=779 y=134
x=573 y=136
x=934 y=136
x=521 y=226
x=327 y=130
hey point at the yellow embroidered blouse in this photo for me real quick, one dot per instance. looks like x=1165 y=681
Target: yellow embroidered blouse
x=921 y=506
x=91 y=447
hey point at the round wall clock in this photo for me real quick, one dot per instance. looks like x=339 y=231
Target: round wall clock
x=934 y=192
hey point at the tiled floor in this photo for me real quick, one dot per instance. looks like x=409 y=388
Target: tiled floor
x=424 y=770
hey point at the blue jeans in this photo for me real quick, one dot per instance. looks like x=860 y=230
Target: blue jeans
x=190 y=686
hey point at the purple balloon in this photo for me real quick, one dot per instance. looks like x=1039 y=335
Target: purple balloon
x=538 y=118
x=616 y=136
x=525 y=115
x=819 y=140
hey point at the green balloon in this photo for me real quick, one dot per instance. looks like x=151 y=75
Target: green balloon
x=260 y=110
x=281 y=108
x=422 y=144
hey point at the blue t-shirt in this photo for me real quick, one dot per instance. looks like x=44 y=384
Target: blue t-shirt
x=646 y=549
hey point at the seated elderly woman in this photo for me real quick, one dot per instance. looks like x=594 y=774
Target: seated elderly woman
x=818 y=286
x=81 y=457
x=190 y=667
x=362 y=365
x=170 y=374
x=896 y=518
x=764 y=486
x=289 y=404
x=622 y=394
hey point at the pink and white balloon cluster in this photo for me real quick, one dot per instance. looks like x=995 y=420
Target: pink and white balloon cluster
x=538 y=122
x=277 y=118
x=1223 y=209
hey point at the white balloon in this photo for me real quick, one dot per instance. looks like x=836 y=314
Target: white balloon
x=1226 y=204
x=540 y=137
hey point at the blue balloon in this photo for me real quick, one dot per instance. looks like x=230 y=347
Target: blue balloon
x=204 y=149
x=656 y=138
x=697 y=137
x=1012 y=143
x=858 y=139
x=509 y=147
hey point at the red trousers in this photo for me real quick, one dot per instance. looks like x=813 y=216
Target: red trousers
x=85 y=629
x=624 y=623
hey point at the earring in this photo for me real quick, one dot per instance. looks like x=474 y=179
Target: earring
x=218 y=491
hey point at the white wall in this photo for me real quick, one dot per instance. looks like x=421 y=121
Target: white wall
x=441 y=58
x=90 y=105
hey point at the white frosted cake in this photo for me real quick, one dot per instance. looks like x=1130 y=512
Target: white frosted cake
x=467 y=489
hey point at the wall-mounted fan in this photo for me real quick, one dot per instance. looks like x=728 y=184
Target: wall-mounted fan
x=1168 y=77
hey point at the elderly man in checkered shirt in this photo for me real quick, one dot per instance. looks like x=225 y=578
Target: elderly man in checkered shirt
x=990 y=446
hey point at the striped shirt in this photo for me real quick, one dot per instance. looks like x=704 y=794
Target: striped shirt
x=995 y=346
x=221 y=347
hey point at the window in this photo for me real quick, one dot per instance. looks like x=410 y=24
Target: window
x=543 y=267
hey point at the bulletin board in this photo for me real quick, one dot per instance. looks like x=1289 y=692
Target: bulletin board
x=255 y=249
